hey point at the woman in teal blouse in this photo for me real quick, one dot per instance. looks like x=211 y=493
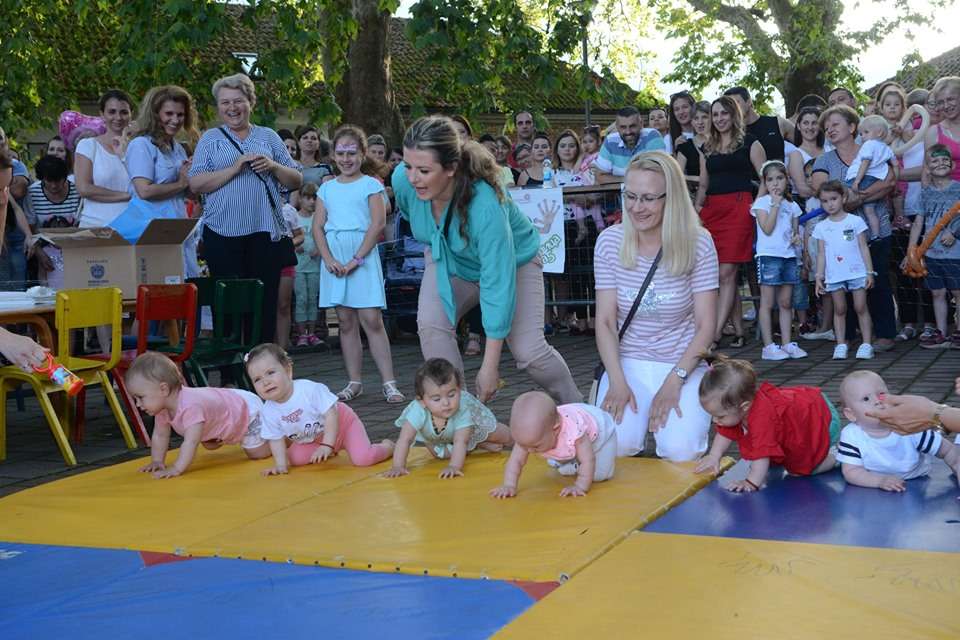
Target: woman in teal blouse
x=479 y=247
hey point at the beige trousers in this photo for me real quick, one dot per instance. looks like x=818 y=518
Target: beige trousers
x=438 y=337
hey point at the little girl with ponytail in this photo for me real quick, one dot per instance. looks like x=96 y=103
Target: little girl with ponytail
x=795 y=427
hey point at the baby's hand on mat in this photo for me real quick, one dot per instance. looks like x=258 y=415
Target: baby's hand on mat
x=274 y=471
x=893 y=483
x=450 y=472
x=503 y=492
x=572 y=490
x=708 y=463
x=321 y=454
x=395 y=472
x=169 y=472
x=742 y=486
x=150 y=467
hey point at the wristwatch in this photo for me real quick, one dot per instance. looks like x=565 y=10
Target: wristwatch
x=359 y=260
x=681 y=373
x=936 y=421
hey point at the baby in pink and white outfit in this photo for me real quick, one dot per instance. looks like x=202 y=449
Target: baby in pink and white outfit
x=576 y=439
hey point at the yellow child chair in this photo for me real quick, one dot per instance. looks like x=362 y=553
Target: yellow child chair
x=76 y=309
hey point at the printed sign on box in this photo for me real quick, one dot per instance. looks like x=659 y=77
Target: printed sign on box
x=544 y=208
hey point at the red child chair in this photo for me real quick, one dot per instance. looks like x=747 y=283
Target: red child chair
x=159 y=302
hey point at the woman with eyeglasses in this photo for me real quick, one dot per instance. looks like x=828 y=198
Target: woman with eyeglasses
x=652 y=372
x=946 y=100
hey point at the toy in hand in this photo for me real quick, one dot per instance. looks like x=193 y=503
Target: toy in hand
x=61 y=375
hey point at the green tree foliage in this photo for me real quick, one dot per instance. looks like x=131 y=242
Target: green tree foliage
x=491 y=46
x=55 y=52
x=793 y=46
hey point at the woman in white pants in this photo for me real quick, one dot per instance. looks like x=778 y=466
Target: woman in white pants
x=652 y=374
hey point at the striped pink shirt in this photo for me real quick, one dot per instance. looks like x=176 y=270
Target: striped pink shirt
x=663 y=327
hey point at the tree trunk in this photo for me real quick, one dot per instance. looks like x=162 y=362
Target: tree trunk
x=801 y=81
x=365 y=95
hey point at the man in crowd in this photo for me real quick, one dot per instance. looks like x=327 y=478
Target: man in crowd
x=523 y=123
x=771 y=131
x=842 y=95
x=620 y=147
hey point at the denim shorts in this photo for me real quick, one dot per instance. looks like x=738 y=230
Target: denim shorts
x=774 y=270
x=847 y=285
x=942 y=273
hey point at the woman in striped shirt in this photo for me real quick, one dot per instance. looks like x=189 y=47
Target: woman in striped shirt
x=241 y=167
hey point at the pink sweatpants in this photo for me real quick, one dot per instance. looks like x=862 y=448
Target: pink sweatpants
x=351 y=436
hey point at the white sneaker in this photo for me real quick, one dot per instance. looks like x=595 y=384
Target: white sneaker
x=750 y=315
x=794 y=351
x=819 y=335
x=840 y=352
x=865 y=351
x=773 y=352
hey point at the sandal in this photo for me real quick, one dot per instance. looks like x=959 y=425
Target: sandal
x=474 y=348
x=737 y=342
x=391 y=393
x=353 y=390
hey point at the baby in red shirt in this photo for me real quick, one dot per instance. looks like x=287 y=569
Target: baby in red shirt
x=795 y=427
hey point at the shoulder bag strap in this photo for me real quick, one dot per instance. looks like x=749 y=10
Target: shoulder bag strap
x=643 y=290
x=273 y=203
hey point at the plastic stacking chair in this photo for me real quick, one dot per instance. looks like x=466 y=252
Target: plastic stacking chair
x=237 y=310
x=75 y=309
x=170 y=303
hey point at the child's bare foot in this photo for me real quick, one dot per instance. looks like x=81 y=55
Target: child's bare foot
x=490 y=446
x=212 y=444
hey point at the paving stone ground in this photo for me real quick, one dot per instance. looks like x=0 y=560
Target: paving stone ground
x=33 y=457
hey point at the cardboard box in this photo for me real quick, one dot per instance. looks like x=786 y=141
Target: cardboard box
x=103 y=258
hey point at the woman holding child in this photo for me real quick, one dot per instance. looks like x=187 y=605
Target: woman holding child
x=651 y=374
x=481 y=248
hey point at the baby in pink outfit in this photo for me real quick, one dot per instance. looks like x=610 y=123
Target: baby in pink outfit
x=576 y=439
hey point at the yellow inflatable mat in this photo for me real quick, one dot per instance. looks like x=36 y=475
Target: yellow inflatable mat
x=677 y=586
x=339 y=515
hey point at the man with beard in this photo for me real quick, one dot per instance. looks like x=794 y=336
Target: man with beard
x=620 y=147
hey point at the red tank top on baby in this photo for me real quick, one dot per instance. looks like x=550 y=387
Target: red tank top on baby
x=789 y=425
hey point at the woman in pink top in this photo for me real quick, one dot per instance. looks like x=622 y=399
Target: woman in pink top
x=207 y=415
x=651 y=374
x=576 y=439
x=946 y=98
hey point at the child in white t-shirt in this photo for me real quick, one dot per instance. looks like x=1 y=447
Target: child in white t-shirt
x=844 y=264
x=873 y=163
x=777 y=268
x=871 y=454
x=302 y=420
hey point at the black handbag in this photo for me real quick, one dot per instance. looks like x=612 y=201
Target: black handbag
x=600 y=369
x=283 y=249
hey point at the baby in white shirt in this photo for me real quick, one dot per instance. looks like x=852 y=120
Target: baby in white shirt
x=871 y=454
x=874 y=161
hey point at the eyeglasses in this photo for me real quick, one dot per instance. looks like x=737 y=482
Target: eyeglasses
x=630 y=199
x=939 y=104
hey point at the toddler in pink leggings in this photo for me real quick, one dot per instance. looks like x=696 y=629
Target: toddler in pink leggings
x=302 y=420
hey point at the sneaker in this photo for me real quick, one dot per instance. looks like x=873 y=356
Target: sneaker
x=750 y=315
x=840 y=352
x=313 y=340
x=773 y=352
x=907 y=333
x=303 y=341
x=865 y=351
x=927 y=333
x=936 y=341
x=793 y=350
x=819 y=335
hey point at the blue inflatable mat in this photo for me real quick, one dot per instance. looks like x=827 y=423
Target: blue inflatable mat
x=825 y=509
